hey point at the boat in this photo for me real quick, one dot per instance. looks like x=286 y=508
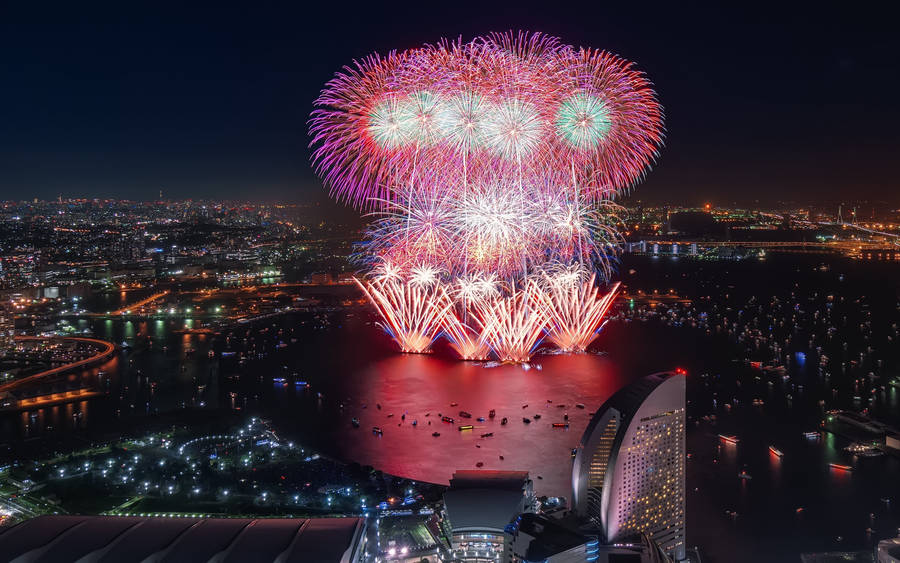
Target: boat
x=447 y=419
x=560 y=425
x=775 y=451
x=465 y=427
x=480 y=419
x=863 y=450
x=501 y=457
x=487 y=434
x=453 y=404
x=579 y=405
x=840 y=467
x=811 y=435
x=377 y=430
x=526 y=420
x=479 y=464
x=355 y=423
x=504 y=420
x=745 y=475
x=492 y=413
x=464 y=414
x=525 y=406
x=435 y=434
x=537 y=417
x=729 y=439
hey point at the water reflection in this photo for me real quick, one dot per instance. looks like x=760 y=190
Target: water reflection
x=419 y=389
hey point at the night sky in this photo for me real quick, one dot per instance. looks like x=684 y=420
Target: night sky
x=764 y=102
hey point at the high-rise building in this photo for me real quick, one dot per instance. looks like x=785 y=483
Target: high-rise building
x=628 y=475
x=477 y=508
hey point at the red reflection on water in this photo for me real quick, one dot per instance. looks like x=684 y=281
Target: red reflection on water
x=416 y=385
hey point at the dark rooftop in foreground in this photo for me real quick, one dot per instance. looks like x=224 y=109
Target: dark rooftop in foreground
x=110 y=539
x=488 y=479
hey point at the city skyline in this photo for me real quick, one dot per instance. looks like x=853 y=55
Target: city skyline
x=449 y=283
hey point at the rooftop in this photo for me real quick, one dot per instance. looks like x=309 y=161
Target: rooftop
x=105 y=539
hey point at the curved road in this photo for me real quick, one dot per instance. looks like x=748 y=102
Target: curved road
x=106 y=350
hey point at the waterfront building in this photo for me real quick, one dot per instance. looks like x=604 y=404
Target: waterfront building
x=628 y=474
x=477 y=508
x=111 y=538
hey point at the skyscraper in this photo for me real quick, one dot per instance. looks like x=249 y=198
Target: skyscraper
x=628 y=475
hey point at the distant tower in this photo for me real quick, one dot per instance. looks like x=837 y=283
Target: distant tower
x=160 y=195
x=628 y=475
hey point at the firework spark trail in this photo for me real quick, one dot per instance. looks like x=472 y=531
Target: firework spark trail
x=575 y=312
x=513 y=324
x=468 y=342
x=411 y=315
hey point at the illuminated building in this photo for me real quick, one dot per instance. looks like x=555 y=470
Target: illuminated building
x=628 y=475
x=477 y=508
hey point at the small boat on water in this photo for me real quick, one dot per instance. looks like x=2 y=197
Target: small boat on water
x=479 y=464
x=453 y=404
x=526 y=420
x=840 y=467
x=560 y=425
x=537 y=416
x=465 y=427
x=487 y=434
x=492 y=413
x=464 y=414
x=377 y=430
x=729 y=439
x=355 y=423
x=504 y=421
x=435 y=434
x=447 y=419
x=775 y=451
x=579 y=405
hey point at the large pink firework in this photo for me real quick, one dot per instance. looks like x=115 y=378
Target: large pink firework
x=522 y=103
x=489 y=168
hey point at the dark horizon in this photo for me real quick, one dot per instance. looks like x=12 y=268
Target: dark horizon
x=786 y=104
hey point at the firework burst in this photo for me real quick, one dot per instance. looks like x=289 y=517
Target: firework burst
x=489 y=168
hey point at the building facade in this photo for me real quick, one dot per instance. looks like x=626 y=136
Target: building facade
x=628 y=474
x=477 y=508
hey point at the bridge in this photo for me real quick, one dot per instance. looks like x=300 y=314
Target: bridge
x=694 y=247
x=105 y=351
